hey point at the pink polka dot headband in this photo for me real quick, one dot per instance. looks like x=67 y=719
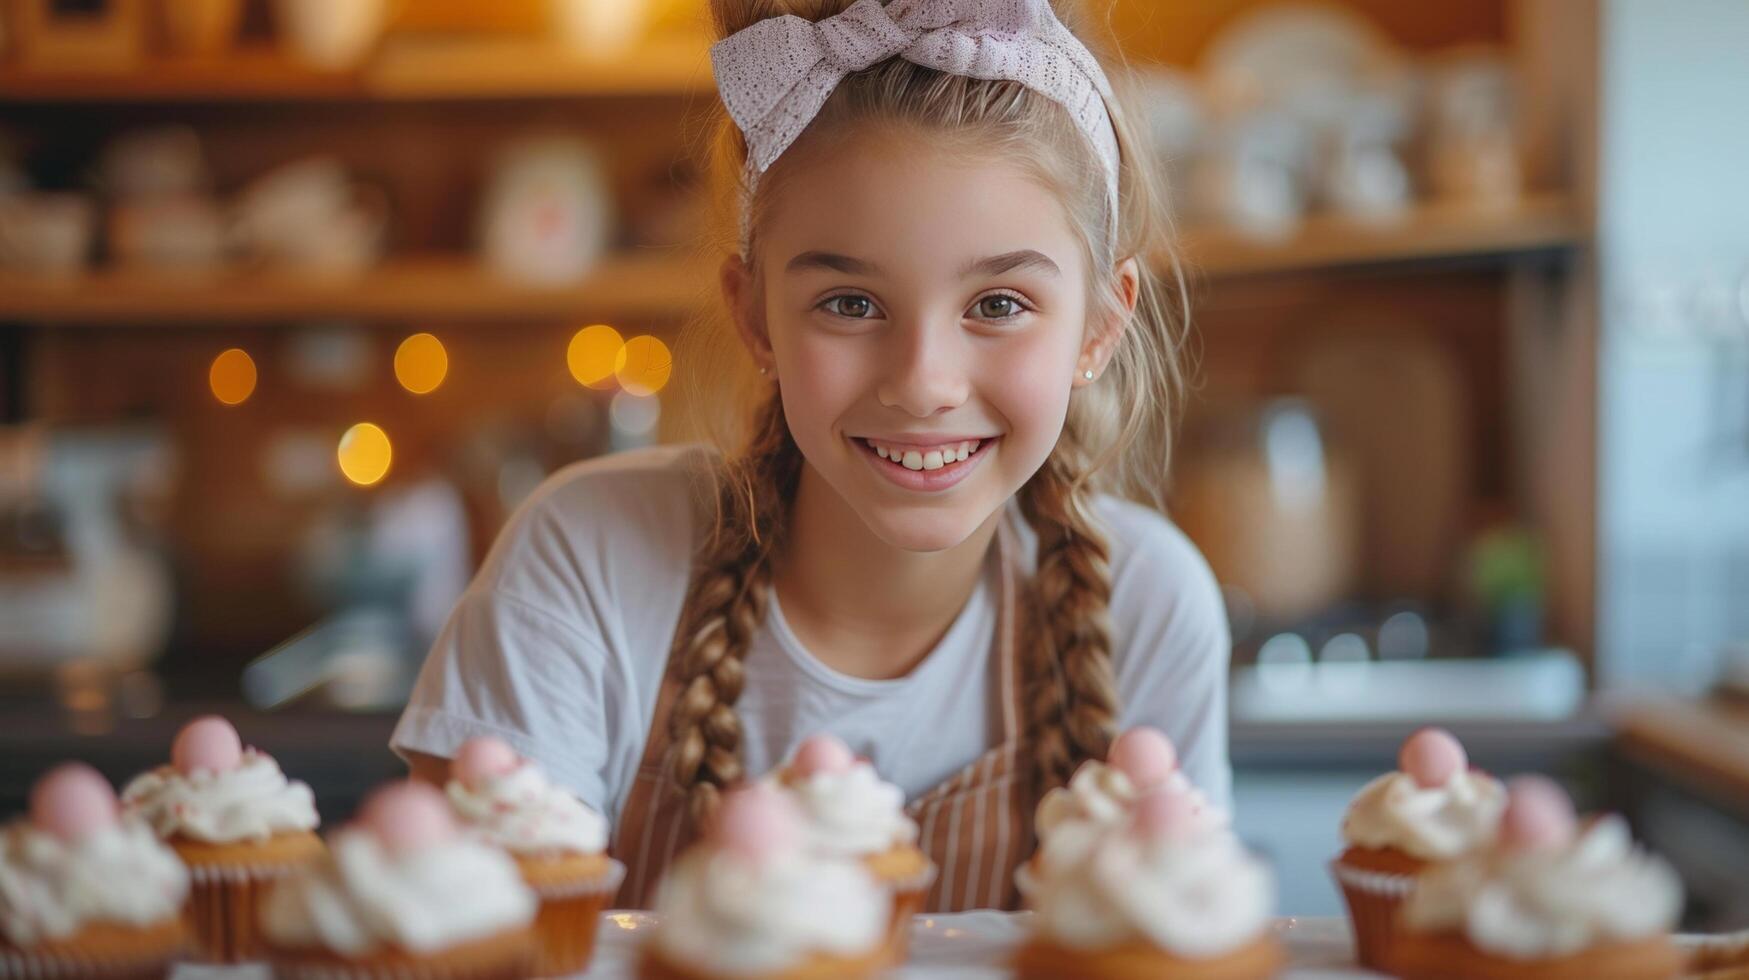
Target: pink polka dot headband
x=776 y=74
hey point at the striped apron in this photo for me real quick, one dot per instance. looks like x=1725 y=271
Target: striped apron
x=976 y=826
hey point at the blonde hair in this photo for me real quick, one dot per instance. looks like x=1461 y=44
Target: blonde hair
x=1116 y=437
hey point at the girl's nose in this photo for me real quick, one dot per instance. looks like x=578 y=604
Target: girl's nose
x=927 y=369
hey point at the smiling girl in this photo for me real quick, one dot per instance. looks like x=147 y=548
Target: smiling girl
x=939 y=538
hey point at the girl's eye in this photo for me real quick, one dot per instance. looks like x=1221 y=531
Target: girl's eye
x=1000 y=306
x=850 y=306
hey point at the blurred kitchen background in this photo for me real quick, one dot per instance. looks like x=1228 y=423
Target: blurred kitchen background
x=298 y=299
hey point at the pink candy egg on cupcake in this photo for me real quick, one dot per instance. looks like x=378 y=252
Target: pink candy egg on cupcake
x=235 y=820
x=849 y=811
x=403 y=892
x=558 y=842
x=1159 y=895
x=1551 y=897
x=754 y=899
x=84 y=891
x=1432 y=810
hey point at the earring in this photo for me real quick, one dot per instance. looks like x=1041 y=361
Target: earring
x=1088 y=374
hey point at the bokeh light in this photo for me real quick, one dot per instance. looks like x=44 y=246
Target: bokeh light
x=232 y=376
x=593 y=355
x=636 y=415
x=365 y=454
x=643 y=365
x=421 y=363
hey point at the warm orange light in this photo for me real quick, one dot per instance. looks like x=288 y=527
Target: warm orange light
x=232 y=376
x=643 y=365
x=592 y=355
x=421 y=363
x=365 y=454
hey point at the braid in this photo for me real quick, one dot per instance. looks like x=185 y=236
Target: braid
x=1071 y=692
x=726 y=602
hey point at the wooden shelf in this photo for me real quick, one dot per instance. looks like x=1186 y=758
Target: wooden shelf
x=1429 y=231
x=658 y=285
x=403 y=70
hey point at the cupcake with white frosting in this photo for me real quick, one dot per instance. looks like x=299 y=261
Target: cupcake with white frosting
x=1433 y=810
x=558 y=842
x=1160 y=895
x=235 y=820
x=848 y=811
x=753 y=900
x=402 y=893
x=1142 y=760
x=1551 y=899
x=85 y=893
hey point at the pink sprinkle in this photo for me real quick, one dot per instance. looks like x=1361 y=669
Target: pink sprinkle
x=1432 y=756
x=1145 y=755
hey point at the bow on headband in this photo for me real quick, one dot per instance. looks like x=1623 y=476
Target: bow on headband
x=776 y=74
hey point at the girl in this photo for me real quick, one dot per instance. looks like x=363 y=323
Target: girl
x=964 y=355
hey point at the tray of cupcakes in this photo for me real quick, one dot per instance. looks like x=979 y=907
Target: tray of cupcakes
x=212 y=865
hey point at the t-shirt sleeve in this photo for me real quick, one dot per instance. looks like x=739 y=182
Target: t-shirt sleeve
x=1173 y=645
x=501 y=666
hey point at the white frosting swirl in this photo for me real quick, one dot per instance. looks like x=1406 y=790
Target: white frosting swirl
x=1599 y=889
x=51 y=888
x=1104 y=794
x=853 y=813
x=1199 y=896
x=251 y=802
x=364 y=896
x=1436 y=824
x=727 y=915
x=523 y=812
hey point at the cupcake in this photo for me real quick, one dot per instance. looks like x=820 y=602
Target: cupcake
x=850 y=812
x=753 y=900
x=1550 y=900
x=557 y=841
x=403 y=894
x=236 y=822
x=1141 y=760
x=1160 y=896
x=1434 y=809
x=85 y=893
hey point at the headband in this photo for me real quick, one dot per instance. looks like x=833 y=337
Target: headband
x=776 y=74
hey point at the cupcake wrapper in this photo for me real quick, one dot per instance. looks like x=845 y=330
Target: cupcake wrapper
x=431 y=971
x=221 y=911
x=567 y=922
x=1373 y=899
x=16 y=964
x=1725 y=955
x=909 y=894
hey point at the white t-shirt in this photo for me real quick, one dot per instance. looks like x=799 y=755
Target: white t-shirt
x=559 y=644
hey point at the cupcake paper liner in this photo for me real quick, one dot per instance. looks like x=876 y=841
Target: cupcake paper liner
x=151 y=957
x=1373 y=899
x=1719 y=957
x=568 y=919
x=221 y=911
x=506 y=956
x=909 y=894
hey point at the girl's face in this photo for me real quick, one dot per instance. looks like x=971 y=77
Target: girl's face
x=916 y=309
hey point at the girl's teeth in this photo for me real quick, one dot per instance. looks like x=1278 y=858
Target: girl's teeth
x=934 y=459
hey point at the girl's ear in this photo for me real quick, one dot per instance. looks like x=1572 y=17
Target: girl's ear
x=1107 y=329
x=736 y=278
